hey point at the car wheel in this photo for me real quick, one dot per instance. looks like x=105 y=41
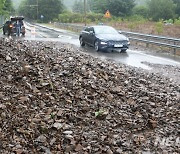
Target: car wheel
x=123 y=50
x=96 y=46
x=82 y=42
x=4 y=32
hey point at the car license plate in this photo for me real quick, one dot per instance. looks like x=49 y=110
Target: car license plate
x=118 y=45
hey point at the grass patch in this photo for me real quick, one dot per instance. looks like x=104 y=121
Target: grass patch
x=177 y=21
x=159 y=27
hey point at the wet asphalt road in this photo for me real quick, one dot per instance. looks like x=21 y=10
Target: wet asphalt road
x=134 y=58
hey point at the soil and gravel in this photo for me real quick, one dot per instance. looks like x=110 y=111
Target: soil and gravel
x=168 y=30
x=59 y=100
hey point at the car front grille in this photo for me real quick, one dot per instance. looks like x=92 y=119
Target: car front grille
x=124 y=42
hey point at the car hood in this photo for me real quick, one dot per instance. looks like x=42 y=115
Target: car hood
x=114 y=37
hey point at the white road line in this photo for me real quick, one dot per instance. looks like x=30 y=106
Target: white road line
x=63 y=36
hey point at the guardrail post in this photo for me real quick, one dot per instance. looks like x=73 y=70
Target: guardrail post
x=147 y=45
x=174 y=48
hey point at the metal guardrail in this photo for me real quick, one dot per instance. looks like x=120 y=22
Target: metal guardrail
x=73 y=27
x=146 y=38
x=154 y=39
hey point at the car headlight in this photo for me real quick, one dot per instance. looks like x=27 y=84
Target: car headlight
x=103 y=43
x=128 y=42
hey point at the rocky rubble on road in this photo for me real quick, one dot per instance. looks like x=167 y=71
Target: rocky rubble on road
x=56 y=100
x=169 y=71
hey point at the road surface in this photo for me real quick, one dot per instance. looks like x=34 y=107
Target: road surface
x=135 y=58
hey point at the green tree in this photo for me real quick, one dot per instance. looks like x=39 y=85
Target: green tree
x=98 y=6
x=1 y=6
x=161 y=9
x=116 y=7
x=78 y=7
x=177 y=2
x=28 y=8
x=121 y=7
x=49 y=9
x=140 y=10
x=8 y=7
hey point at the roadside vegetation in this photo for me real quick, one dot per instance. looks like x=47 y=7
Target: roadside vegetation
x=6 y=8
x=148 y=17
x=154 y=17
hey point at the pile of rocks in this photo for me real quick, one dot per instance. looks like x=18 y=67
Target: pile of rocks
x=56 y=100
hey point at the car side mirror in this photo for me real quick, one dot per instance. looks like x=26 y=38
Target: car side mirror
x=120 y=32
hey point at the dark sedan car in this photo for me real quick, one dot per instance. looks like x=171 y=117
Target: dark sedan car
x=104 y=38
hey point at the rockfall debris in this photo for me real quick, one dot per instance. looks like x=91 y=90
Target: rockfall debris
x=58 y=100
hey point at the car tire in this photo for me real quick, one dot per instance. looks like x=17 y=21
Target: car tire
x=4 y=32
x=81 y=42
x=123 y=50
x=96 y=46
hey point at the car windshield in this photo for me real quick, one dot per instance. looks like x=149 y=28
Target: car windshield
x=105 y=30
